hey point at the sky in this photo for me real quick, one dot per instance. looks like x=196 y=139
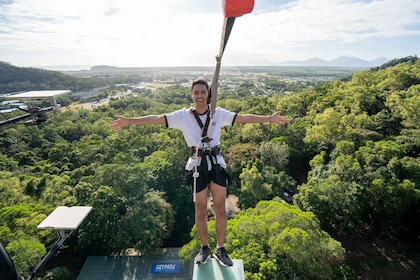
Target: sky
x=143 y=33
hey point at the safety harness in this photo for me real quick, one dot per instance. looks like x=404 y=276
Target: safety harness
x=203 y=149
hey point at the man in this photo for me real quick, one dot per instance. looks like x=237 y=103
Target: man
x=206 y=165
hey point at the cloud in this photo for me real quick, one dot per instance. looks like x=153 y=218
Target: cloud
x=183 y=32
x=322 y=20
x=298 y=24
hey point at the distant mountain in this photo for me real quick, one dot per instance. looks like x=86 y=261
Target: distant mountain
x=342 y=61
x=104 y=68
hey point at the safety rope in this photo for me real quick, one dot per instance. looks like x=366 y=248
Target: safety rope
x=195 y=173
x=227 y=28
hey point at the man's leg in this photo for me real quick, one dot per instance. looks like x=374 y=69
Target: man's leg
x=201 y=224
x=218 y=193
x=201 y=216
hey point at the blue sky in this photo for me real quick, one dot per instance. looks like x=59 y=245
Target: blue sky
x=36 y=33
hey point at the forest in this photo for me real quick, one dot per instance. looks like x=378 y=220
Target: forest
x=343 y=173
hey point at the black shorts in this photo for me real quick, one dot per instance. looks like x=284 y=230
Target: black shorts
x=217 y=174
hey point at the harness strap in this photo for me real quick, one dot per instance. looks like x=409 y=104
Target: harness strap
x=204 y=127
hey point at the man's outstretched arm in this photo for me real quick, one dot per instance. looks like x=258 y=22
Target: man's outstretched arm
x=251 y=118
x=122 y=121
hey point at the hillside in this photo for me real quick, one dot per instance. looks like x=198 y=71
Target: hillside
x=14 y=79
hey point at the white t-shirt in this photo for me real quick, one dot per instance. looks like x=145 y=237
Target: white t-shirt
x=185 y=121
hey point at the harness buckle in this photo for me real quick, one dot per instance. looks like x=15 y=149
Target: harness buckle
x=206 y=143
x=206 y=151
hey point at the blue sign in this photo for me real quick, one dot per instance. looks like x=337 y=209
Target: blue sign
x=165 y=268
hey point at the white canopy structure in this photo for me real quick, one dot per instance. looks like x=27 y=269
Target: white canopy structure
x=64 y=220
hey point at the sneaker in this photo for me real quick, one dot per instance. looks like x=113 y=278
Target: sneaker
x=222 y=257
x=203 y=255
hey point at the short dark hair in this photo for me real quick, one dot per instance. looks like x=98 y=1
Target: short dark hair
x=201 y=81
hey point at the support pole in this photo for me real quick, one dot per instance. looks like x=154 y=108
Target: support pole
x=63 y=235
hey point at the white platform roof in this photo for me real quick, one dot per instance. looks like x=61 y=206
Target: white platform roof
x=37 y=94
x=65 y=218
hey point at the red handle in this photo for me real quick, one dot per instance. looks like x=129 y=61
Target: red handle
x=237 y=8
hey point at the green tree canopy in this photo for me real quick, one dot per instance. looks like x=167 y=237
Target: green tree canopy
x=278 y=241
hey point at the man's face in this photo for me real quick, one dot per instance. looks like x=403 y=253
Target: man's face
x=199 y=94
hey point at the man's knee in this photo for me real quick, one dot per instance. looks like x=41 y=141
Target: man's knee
x=219 y=207
x=201 y=207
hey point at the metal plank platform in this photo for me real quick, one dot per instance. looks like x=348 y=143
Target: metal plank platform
x=162 y=264
x=212 y=270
